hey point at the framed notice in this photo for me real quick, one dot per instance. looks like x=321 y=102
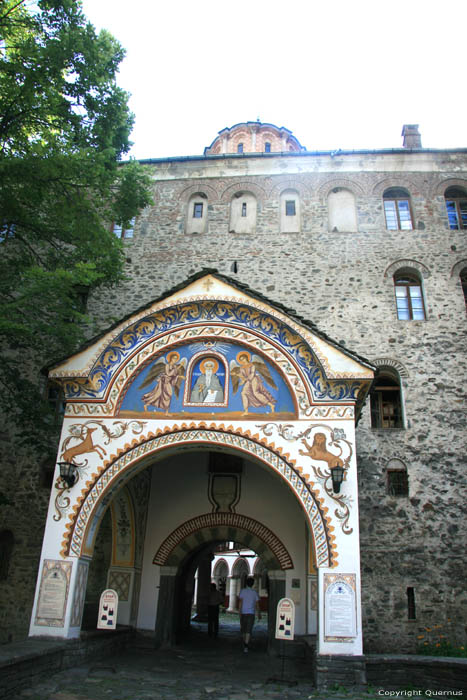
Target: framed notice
x=285 y=621
x=53 y=593
x=108 y=608
x=340 y=608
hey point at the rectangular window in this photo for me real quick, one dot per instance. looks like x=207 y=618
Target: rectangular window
x=243 y=208
x=457 y=213
x=121 y=232
x=240 y=148
x=290 y=207
x=267 y=147
x=411 y=603
x=198 y=210
x=398 y=483
x=398 y=216
x=6 y=231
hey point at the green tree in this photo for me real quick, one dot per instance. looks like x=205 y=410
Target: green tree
x=64 y=127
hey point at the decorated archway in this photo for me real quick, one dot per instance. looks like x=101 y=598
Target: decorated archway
x=210 y=367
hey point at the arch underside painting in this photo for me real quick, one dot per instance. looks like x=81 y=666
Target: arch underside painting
x=83 y=522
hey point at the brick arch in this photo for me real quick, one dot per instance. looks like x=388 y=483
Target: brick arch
x=215 y=526
x=457 y=269
x=243 y=186
x=343 y=183
x=408 y=265
x=441 y=187
x=201 y=187
x=288 y=183
x=99 y=490
x=389 y=182
x=391 y=362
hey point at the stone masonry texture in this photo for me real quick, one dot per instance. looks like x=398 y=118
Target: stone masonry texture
x=343 y=282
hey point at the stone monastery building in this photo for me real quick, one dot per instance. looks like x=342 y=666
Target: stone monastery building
x=289 y=317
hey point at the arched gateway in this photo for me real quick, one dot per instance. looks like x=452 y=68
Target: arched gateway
x=211 y=416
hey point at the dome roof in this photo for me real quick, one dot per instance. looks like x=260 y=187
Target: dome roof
x=254 y=137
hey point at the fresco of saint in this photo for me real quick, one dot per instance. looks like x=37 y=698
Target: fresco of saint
x=169 y=373
x=208 y=388
x=249 y=372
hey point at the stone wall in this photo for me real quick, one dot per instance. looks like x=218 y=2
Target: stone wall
x=342 y=282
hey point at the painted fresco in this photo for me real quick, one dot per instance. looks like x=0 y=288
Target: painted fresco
x=225 y=379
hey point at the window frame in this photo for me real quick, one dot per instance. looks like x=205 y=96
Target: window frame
x=290 y=204
x=397 y=487
x=197 y=207
x=395 y=196
x=408 y=281
x=267 y=147
x=381 y=403
x=457 y=217
x=240 y=147
x=123 y=233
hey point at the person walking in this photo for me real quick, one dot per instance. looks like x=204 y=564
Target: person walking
x=248 y=604
x=215 y=599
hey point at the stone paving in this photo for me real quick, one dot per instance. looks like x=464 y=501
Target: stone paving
x=198 y=669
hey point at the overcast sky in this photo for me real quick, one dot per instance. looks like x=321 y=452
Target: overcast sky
x=338 y=74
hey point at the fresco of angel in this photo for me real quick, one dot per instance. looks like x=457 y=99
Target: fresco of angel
x=248 y=372
x=168 y=373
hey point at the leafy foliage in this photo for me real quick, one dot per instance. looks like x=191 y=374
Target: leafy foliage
x=64 y=126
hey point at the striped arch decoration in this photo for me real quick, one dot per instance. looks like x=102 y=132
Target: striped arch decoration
x=81 y=526
x=215 y=526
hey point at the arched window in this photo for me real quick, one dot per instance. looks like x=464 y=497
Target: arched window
x=6 y=547
x=290 y=211
x=386 y=401
x=397 y=209
x=197 y=213
x=463 y=279
x=409 y=297
x=456 y=205
x=342 y=211
x=243 y=213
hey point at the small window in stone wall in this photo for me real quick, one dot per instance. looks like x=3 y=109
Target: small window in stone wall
x=55 y=399
x=409 y=298
x=244 y=209
x=386 y=404
x=267 y=147
x=463 y=278
x=6 y=548
x=198 y=210
x=124 y=233
x=397 y=209
x=240 y=148
x=290 y=207
x=456 y=206
x=411 y=613
x=397 y=482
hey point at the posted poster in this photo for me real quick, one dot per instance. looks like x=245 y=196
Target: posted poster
x=285 y=621
x=108 y=608
x=340 y=613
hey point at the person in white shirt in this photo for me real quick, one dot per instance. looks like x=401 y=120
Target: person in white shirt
x=248 y=604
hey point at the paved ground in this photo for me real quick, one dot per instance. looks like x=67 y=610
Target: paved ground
x=198 y=669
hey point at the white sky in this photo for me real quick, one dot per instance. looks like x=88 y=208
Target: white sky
x=337 y=73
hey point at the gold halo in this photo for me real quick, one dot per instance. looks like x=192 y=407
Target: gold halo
x=243 y=353
x=202 y=364
x=173 y=354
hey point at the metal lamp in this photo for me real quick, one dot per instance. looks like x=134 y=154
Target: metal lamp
x=68 y=473
x=337 y=475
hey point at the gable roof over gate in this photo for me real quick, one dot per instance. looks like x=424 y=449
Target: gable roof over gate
x=213 y=309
